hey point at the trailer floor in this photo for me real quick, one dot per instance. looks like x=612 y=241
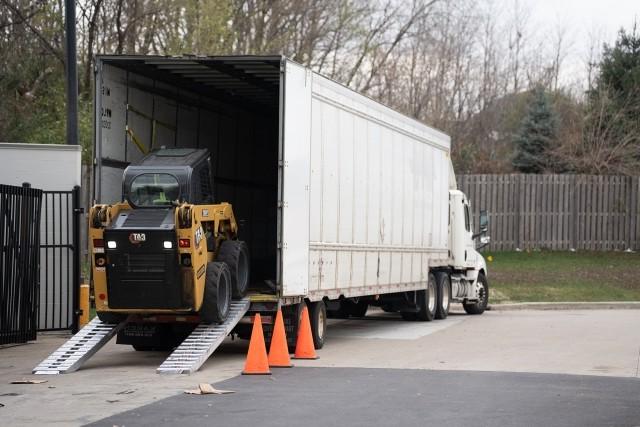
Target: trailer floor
x=118 y=379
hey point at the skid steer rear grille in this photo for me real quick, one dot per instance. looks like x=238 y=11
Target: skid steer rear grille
x=143 y=275
x=145 y=263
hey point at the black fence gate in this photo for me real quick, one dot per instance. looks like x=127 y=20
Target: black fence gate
x=60 y=260
x=19 y=261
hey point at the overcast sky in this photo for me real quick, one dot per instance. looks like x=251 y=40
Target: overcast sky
x=584 y=21
x=606 y=15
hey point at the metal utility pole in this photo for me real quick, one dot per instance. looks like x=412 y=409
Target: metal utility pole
x=72 y=72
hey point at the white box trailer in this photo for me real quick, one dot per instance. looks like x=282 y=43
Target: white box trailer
x=340 y=198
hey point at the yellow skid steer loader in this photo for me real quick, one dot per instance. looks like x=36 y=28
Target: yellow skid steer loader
x=166 y=257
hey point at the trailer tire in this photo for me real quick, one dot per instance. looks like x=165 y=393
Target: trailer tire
x=409 y=316
x=426 y=300
x=235 y=254
x=217 y=293
x=342 y=312
x=291 y=315
x=443 y=281
x=358 y=309
x=388 y=308
x=349 y=308
x=318 y=320
x=481 y=305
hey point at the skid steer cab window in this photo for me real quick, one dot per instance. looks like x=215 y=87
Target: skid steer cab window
x=154 y=190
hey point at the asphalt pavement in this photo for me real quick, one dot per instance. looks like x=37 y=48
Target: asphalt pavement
x=320 y=397
x=468 y=366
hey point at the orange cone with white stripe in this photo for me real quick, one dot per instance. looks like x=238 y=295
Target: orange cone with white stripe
x=257 y=361
x=304 y=344
x=278 y=350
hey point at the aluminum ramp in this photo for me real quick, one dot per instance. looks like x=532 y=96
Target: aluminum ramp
x=202 y=342
x=79 y=348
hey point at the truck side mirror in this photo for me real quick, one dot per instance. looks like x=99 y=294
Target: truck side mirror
x=484 y=241
x=484 y=221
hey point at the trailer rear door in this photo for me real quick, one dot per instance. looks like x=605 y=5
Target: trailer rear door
x=295 y=144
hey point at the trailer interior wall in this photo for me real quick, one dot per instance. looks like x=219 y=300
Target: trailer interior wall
x=378 y=196
x=228 y=105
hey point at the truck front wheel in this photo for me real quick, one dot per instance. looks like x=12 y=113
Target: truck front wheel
x=318 y=320
x=478 y=307
x=217 y=293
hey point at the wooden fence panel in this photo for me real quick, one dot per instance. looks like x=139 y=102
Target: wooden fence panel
x=558 y=212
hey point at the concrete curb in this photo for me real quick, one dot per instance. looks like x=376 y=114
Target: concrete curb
x=606 y=305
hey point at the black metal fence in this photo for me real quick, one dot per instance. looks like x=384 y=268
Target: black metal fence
x=20 y=210
x=60 y=255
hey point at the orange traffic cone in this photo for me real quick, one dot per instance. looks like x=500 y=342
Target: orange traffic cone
x=257 y=362
x=278 y=350
x=304 y=343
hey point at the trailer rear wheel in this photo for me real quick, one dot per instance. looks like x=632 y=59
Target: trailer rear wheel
x=427 y=301
x=235 y=254
x=483 y=298
x=444 y=294
x=349 y=308
x=408 y=315
x=318 y=320
x=388 y=308
x=291 y=315
x=217 y=293
x=359 y=309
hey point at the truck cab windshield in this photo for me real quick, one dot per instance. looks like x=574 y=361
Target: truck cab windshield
x=154 y=190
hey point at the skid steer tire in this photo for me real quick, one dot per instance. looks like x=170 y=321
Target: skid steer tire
x=235 y=254
x=217 y=293
x=481 y=305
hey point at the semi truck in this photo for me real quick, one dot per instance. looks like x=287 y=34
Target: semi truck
x=339 y=202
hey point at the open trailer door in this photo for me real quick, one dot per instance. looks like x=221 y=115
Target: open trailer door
x=295 y=147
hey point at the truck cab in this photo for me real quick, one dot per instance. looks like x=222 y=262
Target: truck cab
x=469 y=269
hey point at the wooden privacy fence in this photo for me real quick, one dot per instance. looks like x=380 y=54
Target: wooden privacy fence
x=557 y=211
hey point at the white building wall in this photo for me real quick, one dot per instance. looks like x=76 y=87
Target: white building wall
x=49 y=167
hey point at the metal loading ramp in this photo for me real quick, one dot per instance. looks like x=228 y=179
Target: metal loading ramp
x=75 y=352
x=202 y=342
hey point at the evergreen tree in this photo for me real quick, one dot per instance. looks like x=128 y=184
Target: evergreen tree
x=619 y=80
x=537 y=131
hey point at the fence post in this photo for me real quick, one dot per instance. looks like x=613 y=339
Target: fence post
x=574 y=213
x=77 y=211
x=518 y=203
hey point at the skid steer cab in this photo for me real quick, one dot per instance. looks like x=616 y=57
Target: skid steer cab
x=167 y=251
